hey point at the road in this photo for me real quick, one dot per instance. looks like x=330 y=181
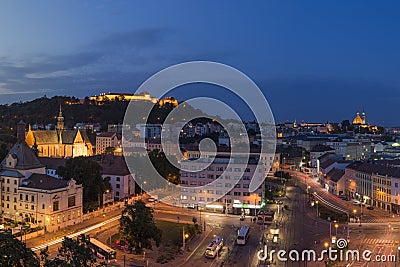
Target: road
x=375 y=215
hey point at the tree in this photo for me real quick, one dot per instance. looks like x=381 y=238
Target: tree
x=88 y=173
x=137 y=227
x=15 y=253
x=3 y=151
x=72 y=253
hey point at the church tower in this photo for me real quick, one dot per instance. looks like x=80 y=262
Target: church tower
x=60 y=120
x=363 y=117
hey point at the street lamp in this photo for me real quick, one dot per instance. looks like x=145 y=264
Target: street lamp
x=141 y=188
x=336 y=227
x=354 y=212
x=184 y=237
x=316 y=202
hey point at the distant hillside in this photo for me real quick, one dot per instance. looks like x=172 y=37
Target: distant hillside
x=45 y=110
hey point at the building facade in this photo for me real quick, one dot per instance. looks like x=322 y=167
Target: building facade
x=224 y=187
x=28 y=194
x=106 y=140
x=121 y=180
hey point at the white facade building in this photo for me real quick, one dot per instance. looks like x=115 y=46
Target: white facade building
x=216 y=185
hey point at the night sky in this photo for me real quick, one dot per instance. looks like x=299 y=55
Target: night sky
x=314 y=60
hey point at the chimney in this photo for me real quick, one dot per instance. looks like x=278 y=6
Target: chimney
x=21 y=132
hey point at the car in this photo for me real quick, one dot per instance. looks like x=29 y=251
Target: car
x=242 y=217
x=356 y=202
x=279 y=202
x=370 y=208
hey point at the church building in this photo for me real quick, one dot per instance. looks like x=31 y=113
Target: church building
x=360 y=120
x=59 y=143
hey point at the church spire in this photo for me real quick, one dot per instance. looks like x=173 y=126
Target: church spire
x=60 y=120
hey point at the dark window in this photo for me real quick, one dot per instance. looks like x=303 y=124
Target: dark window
x=26 y=197
x=33 y=198
x=71 y=201
x=55 y=206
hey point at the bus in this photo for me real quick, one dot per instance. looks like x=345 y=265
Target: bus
x=243 y=235
x=265 y=216
x=214 y=247
x=102 y=251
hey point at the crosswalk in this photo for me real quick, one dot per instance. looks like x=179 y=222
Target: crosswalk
x=380 y=220
x=376 y=241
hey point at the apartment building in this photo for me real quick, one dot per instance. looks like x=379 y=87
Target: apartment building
x=105 y=140
x=222 y=186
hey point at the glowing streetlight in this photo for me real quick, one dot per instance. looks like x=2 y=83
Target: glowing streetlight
x=336 y=227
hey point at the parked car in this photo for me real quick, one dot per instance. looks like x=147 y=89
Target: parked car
x=370 y=208
x=279 y=202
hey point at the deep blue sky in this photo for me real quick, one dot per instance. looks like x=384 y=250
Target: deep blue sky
x=314 y=60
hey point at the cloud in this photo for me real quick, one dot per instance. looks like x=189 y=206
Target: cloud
x=7 y=91
x=116 y=61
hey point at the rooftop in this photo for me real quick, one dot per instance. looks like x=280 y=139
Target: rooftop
x=44 y=182
x=26 y=158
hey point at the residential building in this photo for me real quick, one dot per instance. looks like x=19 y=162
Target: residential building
x=317 y=152
x=396 y=195
x=106 y=140
x=218 y=185
x=121 y=179
x=149 y=131
x=382 y=190
x=336 y=182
